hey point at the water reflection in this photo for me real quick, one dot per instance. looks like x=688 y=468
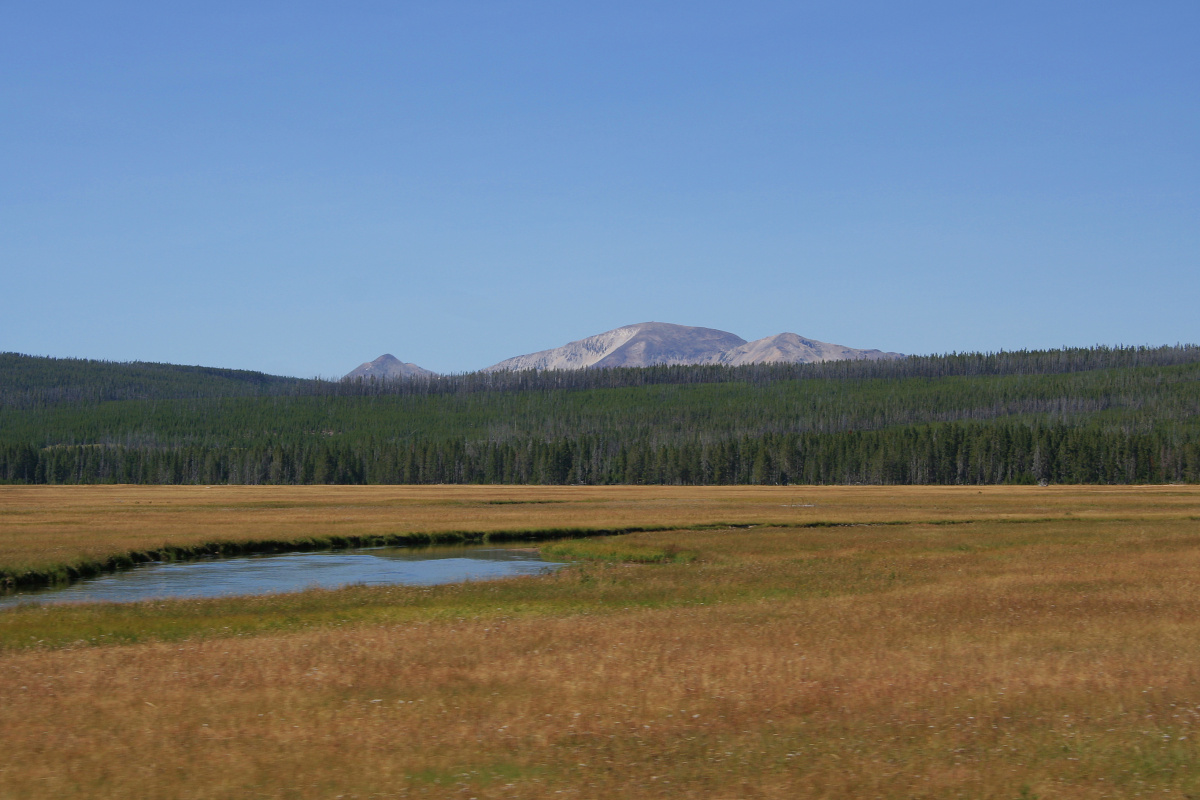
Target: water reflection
x=293 y=572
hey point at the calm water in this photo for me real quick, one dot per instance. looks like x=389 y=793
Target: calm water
x=293 y=572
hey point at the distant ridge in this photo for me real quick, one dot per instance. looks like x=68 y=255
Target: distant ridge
x=790 y=348
x=631 y=346
x=388 y=367
x=662 y=343
x=27 y=381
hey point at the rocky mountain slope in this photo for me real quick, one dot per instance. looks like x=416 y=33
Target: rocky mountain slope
x=648 y=344
x=655 y=343
x=631 y=346
x=793 y=349
x=388 y=367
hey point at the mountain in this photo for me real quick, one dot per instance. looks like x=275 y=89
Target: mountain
x=631 y=346
x=793 y=349
x=388 y=367
x=650 y=343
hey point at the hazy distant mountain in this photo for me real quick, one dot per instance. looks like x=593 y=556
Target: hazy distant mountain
x=388 y=367
x=652 y=343
x=631 y=346
x=793 y=349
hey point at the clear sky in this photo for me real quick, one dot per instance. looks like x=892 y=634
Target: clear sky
x=299 y=187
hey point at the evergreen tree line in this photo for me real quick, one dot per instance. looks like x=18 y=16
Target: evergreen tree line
x=1134 y=423
x=1129 y=400
x=30 y=381
x=1020 y=362
x=948 y=453
x=33 y=381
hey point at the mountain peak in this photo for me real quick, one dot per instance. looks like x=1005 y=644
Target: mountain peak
x=388 y=367
x=662 y=343
x=795 y=349
x=639 y=345
x=645 y=344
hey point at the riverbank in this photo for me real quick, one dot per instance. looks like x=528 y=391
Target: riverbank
x=56 y=534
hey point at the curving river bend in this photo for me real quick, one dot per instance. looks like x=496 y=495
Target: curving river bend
x=293 y=572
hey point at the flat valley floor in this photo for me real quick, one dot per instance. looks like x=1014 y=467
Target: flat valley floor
x=892 y=642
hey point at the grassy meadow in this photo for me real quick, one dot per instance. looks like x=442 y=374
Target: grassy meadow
x=892 y=642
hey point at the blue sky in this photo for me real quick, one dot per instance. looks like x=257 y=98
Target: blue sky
x=299 y=187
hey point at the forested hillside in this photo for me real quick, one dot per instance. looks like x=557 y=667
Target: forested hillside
x=1116 y=415
x=29 y=381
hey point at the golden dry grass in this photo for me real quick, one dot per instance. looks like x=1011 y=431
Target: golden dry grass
x=999 y=658
x=46 y=526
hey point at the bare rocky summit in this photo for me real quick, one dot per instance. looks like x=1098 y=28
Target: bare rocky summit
x=790 y=348
x=649 y=344
x=631 y=346
x=661 y=343
x=388 y=367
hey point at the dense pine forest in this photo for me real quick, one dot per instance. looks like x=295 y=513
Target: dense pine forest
x=1085 y=415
